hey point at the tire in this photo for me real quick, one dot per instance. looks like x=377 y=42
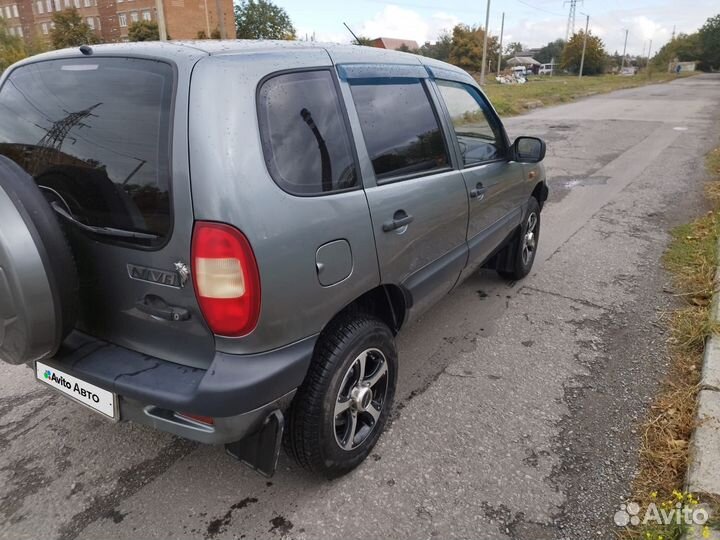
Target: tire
x=524 y=247
x=316 y=437
x=36 y=263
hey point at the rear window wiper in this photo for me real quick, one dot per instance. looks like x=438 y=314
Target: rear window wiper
x=105 y=231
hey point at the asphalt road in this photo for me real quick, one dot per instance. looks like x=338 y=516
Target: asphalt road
x=518 y=402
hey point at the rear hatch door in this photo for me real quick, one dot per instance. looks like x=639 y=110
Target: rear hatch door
x=97 y=135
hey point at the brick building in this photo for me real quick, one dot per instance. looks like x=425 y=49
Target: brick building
x=184 y=19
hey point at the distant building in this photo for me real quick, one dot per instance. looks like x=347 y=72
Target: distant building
x=110 y=19
x=684 y=67
x=523 y=61
x=394 y=43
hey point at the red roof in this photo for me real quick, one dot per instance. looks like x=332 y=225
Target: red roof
x=394 y=43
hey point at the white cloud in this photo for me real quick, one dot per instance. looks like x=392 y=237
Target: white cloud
x=325 y=37
x=397 y=22
x=531 y=27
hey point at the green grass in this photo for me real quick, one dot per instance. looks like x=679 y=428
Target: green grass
x=691 y=259
x=542 y=91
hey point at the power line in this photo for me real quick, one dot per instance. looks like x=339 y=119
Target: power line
x=539 y=8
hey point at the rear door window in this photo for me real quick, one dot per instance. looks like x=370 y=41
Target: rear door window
x=401 y=130
x=95 y=133
x=479 y=137
x=305 y=140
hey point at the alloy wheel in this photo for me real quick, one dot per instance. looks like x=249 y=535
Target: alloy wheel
x=361 y=399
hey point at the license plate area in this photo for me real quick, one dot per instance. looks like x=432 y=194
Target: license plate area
x=93 y=397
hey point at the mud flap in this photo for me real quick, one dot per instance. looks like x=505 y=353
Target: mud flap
x=502 y=261
x=260 y=451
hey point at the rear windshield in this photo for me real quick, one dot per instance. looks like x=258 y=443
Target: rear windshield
x=94 y=133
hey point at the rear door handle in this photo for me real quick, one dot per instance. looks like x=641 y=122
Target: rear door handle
x=478 y=192
x=156 y=307
x=400 y=219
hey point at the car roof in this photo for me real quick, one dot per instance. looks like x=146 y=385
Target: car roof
x=192 y=50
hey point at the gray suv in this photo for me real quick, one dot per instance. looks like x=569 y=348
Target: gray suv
x=221 y=239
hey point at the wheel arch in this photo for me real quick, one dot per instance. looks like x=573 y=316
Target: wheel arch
x=388 y=302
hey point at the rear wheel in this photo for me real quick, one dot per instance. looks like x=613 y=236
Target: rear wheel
x=524 y=248
x=341 y=409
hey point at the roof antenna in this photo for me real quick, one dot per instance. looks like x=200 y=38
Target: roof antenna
x=86 y=50
x=353 y=34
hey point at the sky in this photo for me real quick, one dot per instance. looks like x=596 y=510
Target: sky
x=531 y=22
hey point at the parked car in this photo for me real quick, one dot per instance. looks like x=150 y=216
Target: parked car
x=221 y=239
x=520 y=71
x=546 y=69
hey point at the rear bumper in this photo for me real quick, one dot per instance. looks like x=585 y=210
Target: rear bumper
x=224 y=430
x=237 y=391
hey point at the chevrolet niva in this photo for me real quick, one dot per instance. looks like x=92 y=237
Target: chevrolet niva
x=221 y=239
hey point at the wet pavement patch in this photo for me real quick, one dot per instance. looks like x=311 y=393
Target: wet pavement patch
x=129 y=482
x=116 y=515
x=280 y=524
x=582 y=182
x=220 y=525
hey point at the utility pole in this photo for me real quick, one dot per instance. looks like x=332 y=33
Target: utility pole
x=162 y=29
x=571 y=18
x=582 y=58
x=622 y=62
x=648 y=60
x=502 y=29
x=673 y=34
x=207 y=21
x=484 y=57
x=221 y=19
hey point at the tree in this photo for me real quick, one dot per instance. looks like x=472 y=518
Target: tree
x=709 y=41
x=440 y=50
x=144 y=31
x=594 y=54
x=362 y=40
x=12 y=48
x=261 y=19
x=70 y=30
x=513 y=48
x=685 y=48
x=552 y=50
x=466 y=50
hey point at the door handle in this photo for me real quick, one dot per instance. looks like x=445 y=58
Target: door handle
x=479 y=192
x=157 y=307
x=400 y=219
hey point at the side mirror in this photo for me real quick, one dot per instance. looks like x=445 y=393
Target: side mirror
x=528 y=150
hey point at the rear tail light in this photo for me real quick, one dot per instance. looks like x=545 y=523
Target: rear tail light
x=226 y=279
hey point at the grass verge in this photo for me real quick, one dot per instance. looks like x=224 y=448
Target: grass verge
x=542 y=91
x=691 y=260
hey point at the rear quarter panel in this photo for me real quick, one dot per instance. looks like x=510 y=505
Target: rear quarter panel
x=231 y=184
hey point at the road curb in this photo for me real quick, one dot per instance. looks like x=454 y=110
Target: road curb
x=703 y=474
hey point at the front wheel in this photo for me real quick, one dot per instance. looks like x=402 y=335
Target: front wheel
x=341 y=409
x=524 y=248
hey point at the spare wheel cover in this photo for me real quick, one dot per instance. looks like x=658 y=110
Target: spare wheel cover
x=38 y=278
